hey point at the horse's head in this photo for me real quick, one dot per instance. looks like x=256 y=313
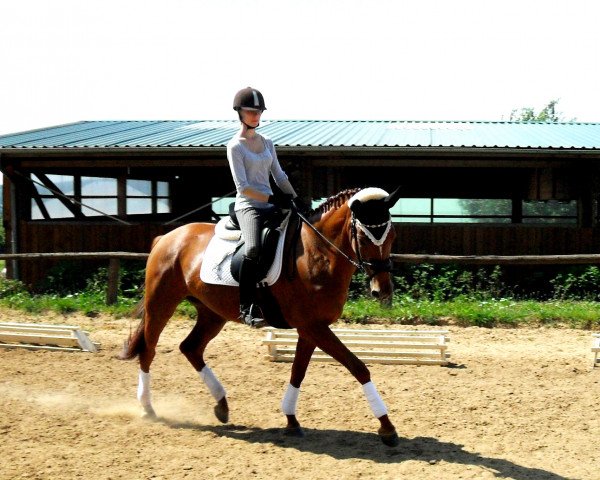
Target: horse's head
x=372 y=238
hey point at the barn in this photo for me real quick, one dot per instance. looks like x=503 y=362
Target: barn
x=468 y=188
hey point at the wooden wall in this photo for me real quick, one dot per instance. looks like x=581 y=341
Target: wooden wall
x=495 y=240
x=411 y=238
x=80 y=237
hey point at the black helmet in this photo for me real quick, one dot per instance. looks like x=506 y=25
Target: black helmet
x=249 y=98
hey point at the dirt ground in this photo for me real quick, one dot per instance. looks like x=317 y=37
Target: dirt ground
x=518 y=404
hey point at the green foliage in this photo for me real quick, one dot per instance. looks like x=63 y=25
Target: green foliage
x=444 y=282
x=9 y=288
x=484 y=296
x=71 y=277
x=465 y=312
x=547 y=114
x=131 y=279
x=580 y=283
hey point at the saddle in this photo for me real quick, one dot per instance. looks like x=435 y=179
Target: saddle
x=224 y=256
x=269 y=238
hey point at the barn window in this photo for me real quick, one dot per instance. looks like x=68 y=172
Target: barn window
x=68 y=196
x=48 y=204
x=483 y=210
x=452 y=210
x=100 y=194
x=472 y=210
x=221 y=205
x=147 y=197
x=550 y=211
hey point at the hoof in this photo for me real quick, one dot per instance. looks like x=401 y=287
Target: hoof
x=390 y=439
x=222 y=413
x=296 y=432
x=148 y=413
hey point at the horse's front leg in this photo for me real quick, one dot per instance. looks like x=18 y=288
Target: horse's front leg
x=326 y=340
x=304 y=350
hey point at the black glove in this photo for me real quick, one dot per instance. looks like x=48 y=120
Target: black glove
x=300 y=206
x=281 y=200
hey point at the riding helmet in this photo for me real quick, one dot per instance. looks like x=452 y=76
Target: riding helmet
x=249 y=98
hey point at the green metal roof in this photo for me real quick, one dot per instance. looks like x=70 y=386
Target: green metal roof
x=311 y=133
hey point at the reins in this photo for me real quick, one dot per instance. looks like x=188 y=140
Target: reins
x=330 y=243
x=376 y=266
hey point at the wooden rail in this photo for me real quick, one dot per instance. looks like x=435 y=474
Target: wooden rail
x=498 y=259
x=112 y=287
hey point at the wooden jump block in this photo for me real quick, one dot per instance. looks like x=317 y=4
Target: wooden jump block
x=409 y=347
x=596 y=348
x=35 y=336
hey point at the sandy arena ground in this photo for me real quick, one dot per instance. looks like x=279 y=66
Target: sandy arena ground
x=517 y=404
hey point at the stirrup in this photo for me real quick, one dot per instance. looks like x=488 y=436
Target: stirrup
x=253 y=317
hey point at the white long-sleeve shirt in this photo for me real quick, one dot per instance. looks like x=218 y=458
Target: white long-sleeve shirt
x=250 y=169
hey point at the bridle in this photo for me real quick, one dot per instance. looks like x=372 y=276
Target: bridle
x=374 y=264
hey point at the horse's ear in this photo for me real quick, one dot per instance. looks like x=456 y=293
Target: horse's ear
x=356 y=207
x=392 y=198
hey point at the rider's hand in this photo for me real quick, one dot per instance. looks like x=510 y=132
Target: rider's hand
x=281 y=200
x=300 y=206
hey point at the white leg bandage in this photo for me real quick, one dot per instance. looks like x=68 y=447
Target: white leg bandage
x=213 y=384
x=375 y=402
x=143 y=393
x=290 y=400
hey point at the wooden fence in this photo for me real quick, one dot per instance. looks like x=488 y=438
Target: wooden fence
x=114 y=263
x=113 y=258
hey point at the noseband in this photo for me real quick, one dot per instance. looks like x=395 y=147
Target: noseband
x=376 y=265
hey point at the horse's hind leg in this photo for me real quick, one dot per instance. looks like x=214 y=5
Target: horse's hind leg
x=208 y=325
x=157 y=313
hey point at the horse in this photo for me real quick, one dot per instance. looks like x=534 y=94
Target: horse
x=350 y=230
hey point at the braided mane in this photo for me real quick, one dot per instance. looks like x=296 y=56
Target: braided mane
x=336 y=200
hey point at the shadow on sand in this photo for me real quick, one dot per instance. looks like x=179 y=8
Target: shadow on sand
x=346 y=444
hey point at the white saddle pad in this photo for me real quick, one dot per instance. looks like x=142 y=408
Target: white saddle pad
x=216 y=266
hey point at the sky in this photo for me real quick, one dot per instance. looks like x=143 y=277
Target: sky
x=64 y=61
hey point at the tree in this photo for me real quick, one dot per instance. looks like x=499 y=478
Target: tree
x=548 y=114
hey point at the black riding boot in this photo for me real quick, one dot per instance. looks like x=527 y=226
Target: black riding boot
x=249 y=312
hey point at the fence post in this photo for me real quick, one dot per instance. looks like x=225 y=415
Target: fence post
x=113 y=281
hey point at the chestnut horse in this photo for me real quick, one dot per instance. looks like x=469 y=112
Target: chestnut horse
x=350 y=230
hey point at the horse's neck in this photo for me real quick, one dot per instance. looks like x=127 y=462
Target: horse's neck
x=334 y=226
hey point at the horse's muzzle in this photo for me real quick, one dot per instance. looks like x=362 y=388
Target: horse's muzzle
x=382 y=287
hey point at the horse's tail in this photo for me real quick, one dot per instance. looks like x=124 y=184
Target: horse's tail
x=136 y=341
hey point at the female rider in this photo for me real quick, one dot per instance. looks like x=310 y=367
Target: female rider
x=252 y=158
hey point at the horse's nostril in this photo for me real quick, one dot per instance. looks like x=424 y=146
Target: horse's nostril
x=375 y=293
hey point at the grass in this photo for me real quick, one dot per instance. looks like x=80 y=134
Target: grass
x=469 y=312
x=404 y=310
